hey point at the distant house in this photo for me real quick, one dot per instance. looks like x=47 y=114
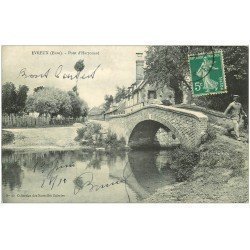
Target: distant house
x=117 y=108
x=96 y=113
x=141 y=93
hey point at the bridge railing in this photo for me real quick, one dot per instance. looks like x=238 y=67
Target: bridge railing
x=134 y=107
x=173 y=109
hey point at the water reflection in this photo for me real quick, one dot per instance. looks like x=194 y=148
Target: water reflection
x=152 y=169
x=12 y=175
x=116 y=177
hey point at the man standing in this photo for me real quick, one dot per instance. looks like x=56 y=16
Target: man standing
x=234 y=111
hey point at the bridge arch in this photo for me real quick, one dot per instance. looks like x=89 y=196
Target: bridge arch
x=188 y=126
x=143 y=134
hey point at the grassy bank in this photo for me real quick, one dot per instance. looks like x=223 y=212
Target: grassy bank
x=221 y=175
x=42 y=138
x=88 y=136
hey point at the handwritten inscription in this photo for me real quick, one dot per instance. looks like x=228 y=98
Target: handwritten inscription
x=52 y=179
x=58 y=73
x=85 y=180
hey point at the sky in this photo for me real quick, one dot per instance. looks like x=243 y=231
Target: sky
x=117 y=68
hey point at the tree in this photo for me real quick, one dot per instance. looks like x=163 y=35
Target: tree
x=236 y=71
x=49 y=101
x=9 y=96
x=79 y=66
x=13 y=100
x=21 y=98
x=109 y=99
x=121 y=93
x=79 y=106
x=168 y=65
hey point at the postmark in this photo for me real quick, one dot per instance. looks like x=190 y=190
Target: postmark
x=207 y=73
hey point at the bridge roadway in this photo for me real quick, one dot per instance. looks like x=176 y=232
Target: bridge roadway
x=139 y=127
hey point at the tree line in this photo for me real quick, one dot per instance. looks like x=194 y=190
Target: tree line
x=44 y=100
x=121 y=93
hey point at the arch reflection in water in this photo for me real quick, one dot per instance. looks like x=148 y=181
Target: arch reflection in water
x=152 y=168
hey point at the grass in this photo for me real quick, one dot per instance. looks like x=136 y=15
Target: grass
x=220 y=174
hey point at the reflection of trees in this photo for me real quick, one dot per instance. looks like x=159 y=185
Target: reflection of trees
x=98 y=157
x=151 y=168
x=12 y=174
x=95 y=161
x=154 y=169
x=42 y=161
x=112 y=157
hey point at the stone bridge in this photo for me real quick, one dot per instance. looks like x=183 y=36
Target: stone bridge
x=139 y=127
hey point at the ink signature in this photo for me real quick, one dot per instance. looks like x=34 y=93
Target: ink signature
x=86 y=181
x=58 y=73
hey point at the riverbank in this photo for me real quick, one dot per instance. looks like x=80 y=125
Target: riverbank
x=50 y=138
x=53 y=138
x=221 y=176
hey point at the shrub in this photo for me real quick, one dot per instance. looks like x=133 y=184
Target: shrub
x=112 y=141
x=185 y=160
x=111 y=138
x=219 y=153
x=96 y=127
x=7 y=137
x=91 y=135
x=88 y=131
x=80 y=133
x=122 y=141
x=211 y=133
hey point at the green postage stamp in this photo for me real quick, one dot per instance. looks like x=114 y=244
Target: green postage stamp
x=207 y=73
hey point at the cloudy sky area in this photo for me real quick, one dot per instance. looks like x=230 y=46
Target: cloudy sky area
x=117 y=68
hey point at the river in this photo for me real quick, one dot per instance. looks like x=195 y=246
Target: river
x=80 y=176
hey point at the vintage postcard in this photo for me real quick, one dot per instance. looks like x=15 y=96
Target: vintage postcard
x=156 y=124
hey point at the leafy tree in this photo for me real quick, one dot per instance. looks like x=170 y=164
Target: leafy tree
x=109 y=99
x=13 y=100
x=21 y=98
x=9 y=96
x=79 y=106
x=236 y=70
x=168 y=65
x=50 y=101
x=79 y=66
x=121 y=93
